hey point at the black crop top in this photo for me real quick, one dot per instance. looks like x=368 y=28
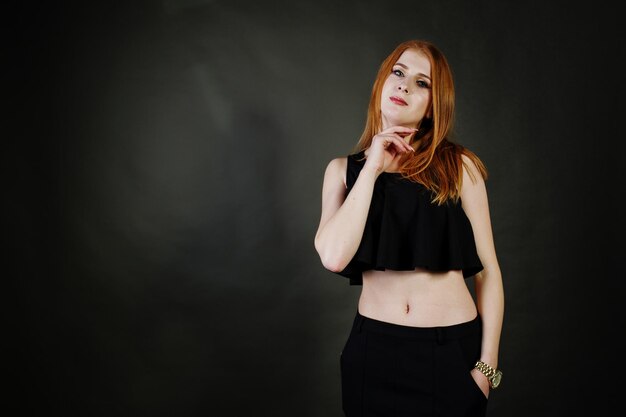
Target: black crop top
x=404 y=230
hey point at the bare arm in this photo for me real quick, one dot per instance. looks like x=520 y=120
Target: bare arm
x=342 y=221
x=343 y=217
x=489 y=288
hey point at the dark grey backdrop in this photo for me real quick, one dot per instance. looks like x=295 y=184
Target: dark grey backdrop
x=164 y=175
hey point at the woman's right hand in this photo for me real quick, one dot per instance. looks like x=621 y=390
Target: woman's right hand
x=388 y=146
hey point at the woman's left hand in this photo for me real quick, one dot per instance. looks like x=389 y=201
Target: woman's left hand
x=481 y=380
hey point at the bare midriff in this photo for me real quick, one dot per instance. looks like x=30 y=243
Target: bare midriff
x=419 y=298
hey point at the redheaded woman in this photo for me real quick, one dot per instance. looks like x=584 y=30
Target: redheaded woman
x=406 y=216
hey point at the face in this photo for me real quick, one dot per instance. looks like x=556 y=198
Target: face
x=406 y=93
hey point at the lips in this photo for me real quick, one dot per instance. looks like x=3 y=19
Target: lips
x=398 y=100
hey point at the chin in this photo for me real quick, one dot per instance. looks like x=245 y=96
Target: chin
x=394 y=120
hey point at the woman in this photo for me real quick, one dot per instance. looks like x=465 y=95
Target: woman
x=406 y=216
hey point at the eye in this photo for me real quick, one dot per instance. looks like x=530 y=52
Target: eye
x=422 y=84
x=397 y=72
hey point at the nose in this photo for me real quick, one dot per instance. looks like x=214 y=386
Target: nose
x=403 y=87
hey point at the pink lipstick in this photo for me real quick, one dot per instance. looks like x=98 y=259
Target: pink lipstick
x=398 y=100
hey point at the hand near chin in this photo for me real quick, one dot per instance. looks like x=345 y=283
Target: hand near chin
x=388 y=146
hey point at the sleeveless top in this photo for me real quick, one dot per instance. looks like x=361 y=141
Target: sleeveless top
x=404 y=230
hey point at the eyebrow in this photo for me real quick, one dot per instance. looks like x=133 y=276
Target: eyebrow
x=405 y=67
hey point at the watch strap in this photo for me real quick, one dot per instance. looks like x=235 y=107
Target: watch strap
x=488 y=371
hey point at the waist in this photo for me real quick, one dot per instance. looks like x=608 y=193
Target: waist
x=419 y=298
x=438 y=333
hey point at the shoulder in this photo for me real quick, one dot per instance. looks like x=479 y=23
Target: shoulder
x=338 y=163
x=474 y=170
x=336 y=170
x=470 y=170
x=473 y=187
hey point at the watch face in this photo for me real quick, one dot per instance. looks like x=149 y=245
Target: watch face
x=495 y=381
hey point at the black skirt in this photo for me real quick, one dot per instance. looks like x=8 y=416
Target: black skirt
x=390 y=370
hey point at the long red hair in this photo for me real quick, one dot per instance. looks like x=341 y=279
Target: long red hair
x=437 y=162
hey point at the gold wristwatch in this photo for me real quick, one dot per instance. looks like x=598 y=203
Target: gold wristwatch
x=494 y=375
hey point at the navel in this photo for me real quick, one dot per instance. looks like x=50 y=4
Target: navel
x=407 y=309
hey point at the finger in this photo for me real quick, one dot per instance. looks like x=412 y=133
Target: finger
x=391 y=143
x=393 y=138
x=407 y=136
x=397 y=142
x=404 y=143
x=405 y=140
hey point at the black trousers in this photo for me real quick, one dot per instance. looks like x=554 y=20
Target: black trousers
x=390 y=370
